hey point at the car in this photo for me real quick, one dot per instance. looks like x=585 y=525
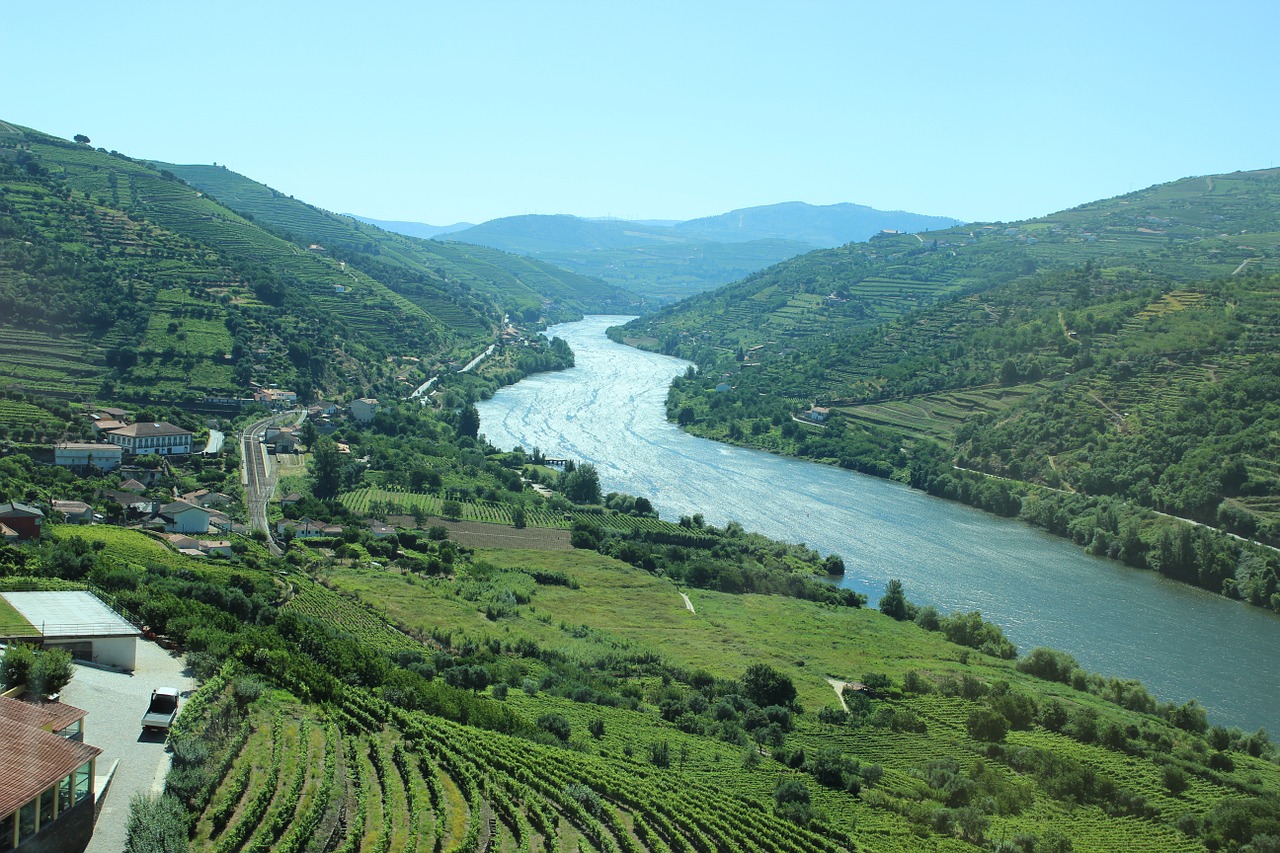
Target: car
x=162 y=711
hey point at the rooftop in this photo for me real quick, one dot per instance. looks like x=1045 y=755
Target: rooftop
x=32 y=759
x=149 y=430
x=69 y=614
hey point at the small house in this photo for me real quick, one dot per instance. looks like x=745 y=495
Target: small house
x=144 y=439
x=22 y=519
x=364 y=409
x=75 y=512
x=182 y=517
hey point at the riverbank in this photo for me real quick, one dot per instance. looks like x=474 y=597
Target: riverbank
x=610 y=410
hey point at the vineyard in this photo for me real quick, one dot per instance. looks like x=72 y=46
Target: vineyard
x=376 y=502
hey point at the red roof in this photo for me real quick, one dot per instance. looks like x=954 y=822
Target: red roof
x=50 y=716
x=32 y=759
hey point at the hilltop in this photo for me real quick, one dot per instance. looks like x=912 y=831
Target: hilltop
x=670 y=261
x=1085 y=370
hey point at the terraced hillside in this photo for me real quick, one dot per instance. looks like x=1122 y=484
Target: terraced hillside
x=119 y=279
x=1191 y=229
x=433 y=274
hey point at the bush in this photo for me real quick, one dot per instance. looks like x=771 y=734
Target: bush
x=156 y=825
x=15 y=666
x=987 y=725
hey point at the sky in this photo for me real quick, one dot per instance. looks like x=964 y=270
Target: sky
x=470 y=110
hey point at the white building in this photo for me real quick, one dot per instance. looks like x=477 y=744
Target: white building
x=364 y=409
x=141 y=439
x=182 y=517
x=82 y=454
x=81 y=624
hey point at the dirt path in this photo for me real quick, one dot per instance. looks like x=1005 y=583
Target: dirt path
x=688 y=603
x=839 y=686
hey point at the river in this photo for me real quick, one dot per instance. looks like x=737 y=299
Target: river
x=1180 y=641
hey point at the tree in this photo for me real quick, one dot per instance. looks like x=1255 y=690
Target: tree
x=765 y=686
x=51 y=672
x=469 y=422
x=82 y=139
x=15 y=667
x=326 y=471
x=581 y=485
x=309 y=433
x=894 y=601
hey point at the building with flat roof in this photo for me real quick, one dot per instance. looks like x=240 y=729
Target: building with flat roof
x=46 y=778
x=81 y=624
x=86 y=454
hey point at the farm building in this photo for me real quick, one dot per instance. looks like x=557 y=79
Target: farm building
x=81 y=624
x=75 y=512
x=46 y=778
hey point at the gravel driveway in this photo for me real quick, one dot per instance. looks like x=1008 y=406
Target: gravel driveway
x=115 y=702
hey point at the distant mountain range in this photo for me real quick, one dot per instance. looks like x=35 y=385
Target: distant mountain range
x=668 y=260
x=413 y=229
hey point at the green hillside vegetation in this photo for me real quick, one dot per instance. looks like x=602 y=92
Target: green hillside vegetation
x=434 y=275
x=1087 y=385
x=119 y=280
x=391 y=709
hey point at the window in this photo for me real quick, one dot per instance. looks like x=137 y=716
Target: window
x=46 y=806
x=7 y=825
x=26 y=821
x=83 y=780
x=64 y=794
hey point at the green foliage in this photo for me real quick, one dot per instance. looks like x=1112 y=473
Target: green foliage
x=156 y=825
x=765 y=686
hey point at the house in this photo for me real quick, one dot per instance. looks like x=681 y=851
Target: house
x=182 y=517
x=132 y=485
x=81 y=624
x=101 y=425
x=141 y=439
x=290 y=499
x=206 y=498
x=46 y=777
x=307 y=528
x=81 y=455
x=380 y=530
x=75 y=512
x=8 y=534
x=364 y=409
x=817 y=414
x=22 y=519
x=215 y=547
x=276 y=398
x=220 y=520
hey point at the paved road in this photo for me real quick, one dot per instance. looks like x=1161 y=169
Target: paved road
x=115 y=702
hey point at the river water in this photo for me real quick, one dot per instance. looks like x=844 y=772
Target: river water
x=1180 y=641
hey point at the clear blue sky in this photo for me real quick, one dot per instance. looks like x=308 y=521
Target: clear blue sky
x=473 y=109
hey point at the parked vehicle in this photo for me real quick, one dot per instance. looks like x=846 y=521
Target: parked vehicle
x=162 y=711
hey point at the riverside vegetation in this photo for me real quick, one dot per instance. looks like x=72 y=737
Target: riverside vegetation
x=1096 y=372
x=427 y=691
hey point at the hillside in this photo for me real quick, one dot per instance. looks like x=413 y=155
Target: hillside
x=668 y=262
x=1122 y=350
x=119 y=279
x=436 y=271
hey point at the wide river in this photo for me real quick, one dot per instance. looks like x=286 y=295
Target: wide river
x=1181 y=642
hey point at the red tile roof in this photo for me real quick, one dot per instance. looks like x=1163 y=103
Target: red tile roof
x=50 y=716
x=32 y=759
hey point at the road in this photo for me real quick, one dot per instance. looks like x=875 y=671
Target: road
x=258 y=476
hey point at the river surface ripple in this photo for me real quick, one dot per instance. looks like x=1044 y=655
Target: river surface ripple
x=1180 y=641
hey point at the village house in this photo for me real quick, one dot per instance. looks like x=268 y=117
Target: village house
x=142 y=439
x=82 y=455
x=46 y=777
x=276 y=398
x=281 y=440
x=364 y=409
x=182 y=517
x=206 y=498
x=22 y=520
x=75 y=512
x=817 y=414
x=380 y=530
x=306 y=528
